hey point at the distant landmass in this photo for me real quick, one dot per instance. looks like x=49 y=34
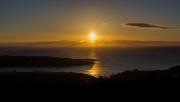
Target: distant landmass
x=41 y=61
x=87 y=43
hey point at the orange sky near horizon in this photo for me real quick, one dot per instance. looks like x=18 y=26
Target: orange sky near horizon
x=37 y=20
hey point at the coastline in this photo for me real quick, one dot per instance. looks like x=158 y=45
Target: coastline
x=168 y=79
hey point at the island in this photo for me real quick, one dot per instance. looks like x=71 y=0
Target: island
x=41 y=61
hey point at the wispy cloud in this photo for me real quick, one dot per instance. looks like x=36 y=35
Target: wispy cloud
x=148 y=26
x=104 y=24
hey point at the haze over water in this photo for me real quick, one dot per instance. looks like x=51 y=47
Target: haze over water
x=110 y=60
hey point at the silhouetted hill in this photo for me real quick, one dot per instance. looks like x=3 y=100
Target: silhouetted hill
x=175 y=68
x=128 y=80
x=41 y=61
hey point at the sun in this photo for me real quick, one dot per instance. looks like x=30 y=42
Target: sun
x=92 y=36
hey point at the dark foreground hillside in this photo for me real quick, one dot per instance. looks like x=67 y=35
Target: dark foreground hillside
x=158 y=81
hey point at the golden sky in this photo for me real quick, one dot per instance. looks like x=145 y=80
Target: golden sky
x=49 y=20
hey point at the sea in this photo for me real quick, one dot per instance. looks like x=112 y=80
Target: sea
x=109 y=60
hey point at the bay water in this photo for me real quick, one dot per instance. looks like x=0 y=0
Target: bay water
x=110 y=60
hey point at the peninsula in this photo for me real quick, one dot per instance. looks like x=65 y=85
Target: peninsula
x=41 y=61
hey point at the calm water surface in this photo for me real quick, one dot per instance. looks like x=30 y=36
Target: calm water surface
x=111 y=60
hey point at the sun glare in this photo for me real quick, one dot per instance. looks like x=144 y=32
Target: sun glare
x=92 y=36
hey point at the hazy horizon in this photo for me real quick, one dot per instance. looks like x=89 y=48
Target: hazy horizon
x=89 y=43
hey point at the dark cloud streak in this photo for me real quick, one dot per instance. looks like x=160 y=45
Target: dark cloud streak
x=147 y=26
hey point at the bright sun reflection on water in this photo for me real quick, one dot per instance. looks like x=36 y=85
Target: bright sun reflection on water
x=95 y=70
